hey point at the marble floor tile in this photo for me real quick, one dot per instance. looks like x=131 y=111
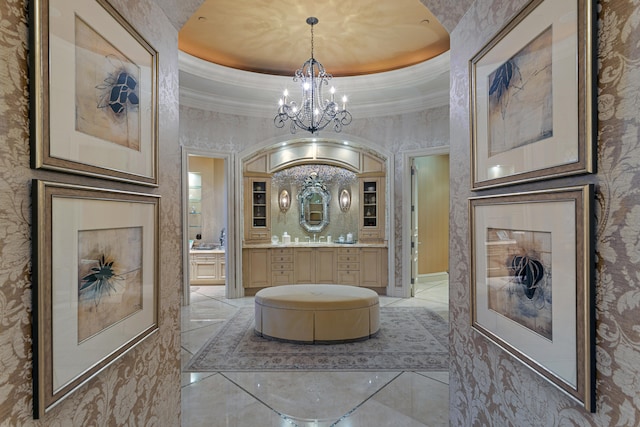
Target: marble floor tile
x=410 y=400
x=385 y=300
x=312 y=396
x=185 y=356
x=203 y=313
x=443 y=376
x=306 y=399
x=189 y=378
x=195 y=339
x=215 y=401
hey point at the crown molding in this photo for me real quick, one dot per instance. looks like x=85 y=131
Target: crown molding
x=212 y=87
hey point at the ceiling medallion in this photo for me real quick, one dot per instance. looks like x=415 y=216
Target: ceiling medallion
x=313 y=113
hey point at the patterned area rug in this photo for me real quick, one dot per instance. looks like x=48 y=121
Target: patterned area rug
x=410 y=339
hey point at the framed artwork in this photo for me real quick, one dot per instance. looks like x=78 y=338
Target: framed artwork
x=532 y=94
x=94 y=93
x=532 y=267
x=95 y=293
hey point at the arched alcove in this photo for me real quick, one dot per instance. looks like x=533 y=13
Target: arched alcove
x=365 y=224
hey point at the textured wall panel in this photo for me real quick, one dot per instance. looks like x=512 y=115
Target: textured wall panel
x=142 y=388
x=488 y=387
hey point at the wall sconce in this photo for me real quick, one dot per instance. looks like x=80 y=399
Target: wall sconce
x=345 y=200
x=284 y=201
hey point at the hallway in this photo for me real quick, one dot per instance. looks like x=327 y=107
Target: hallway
x=306 y=399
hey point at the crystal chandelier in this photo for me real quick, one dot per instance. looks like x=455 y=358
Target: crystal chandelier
x=313 y=113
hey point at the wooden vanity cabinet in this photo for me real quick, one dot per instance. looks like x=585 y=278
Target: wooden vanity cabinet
x=371 y=219
x=314 y=265
x=348 y=266
x=325 y=259
x=257 y=209
x=281 y=266
x=356 y=266
x=374 y=267
x=303 y=266
x=256 y=268
x=207 y=268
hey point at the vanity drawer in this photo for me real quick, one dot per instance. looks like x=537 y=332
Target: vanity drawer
x=282 y=266
x=352 y=257
x=282 y=251
x=348 y=251
x=204 y=257
x=347 y=266
x=281 y=278
x=257 y=235
x=370 y=235
x=281 y=258
x=349 y=278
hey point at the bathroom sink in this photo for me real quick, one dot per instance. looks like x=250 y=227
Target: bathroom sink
x=206 y=247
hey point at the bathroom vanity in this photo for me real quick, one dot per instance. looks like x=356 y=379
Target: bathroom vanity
x=328 y=203
x=207 y=267
x=266 y=265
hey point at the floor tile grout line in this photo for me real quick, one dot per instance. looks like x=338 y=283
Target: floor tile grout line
x=281 y=415
x=205 y=377
x=422 y=374
x=345 y=416
x=211 y=321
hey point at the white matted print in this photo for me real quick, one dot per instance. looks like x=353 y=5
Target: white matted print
x=531 y=96
x=96 y=282
x=94 y=93
x=532 y=263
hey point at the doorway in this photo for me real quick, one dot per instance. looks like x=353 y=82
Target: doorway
x=426 y=213
x=207 y=225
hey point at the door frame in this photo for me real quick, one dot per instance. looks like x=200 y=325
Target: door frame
x=407 y=196
x=230 y=220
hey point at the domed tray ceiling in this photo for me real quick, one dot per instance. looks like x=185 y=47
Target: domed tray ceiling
x=352 y=37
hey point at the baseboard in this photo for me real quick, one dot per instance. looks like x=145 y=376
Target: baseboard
x=433 y=277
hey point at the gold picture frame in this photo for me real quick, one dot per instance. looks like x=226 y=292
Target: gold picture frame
x=532 y=285
x=94 y=94
x=95 y=292
x=531 y=96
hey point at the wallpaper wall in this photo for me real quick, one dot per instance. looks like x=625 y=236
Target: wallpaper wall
x=142 y=388
x=487 y=387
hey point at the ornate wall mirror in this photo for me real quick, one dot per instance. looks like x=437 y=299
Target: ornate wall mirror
x=314 y=204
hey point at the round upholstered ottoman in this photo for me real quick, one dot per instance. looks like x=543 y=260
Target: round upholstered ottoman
x=317 y=313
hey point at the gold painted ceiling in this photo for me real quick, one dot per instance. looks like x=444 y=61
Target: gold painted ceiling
x=352 y=37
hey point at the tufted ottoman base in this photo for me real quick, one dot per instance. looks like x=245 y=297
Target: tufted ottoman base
x=317 y=313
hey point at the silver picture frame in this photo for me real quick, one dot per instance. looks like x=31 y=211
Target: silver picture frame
x=94 y=93
x=532 y=285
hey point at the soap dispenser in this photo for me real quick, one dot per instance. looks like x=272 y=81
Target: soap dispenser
x=286 y=239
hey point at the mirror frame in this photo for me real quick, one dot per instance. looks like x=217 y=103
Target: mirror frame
x=304 y=208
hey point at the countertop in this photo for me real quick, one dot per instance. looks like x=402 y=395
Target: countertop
x=313 y=245
x=206 y=251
